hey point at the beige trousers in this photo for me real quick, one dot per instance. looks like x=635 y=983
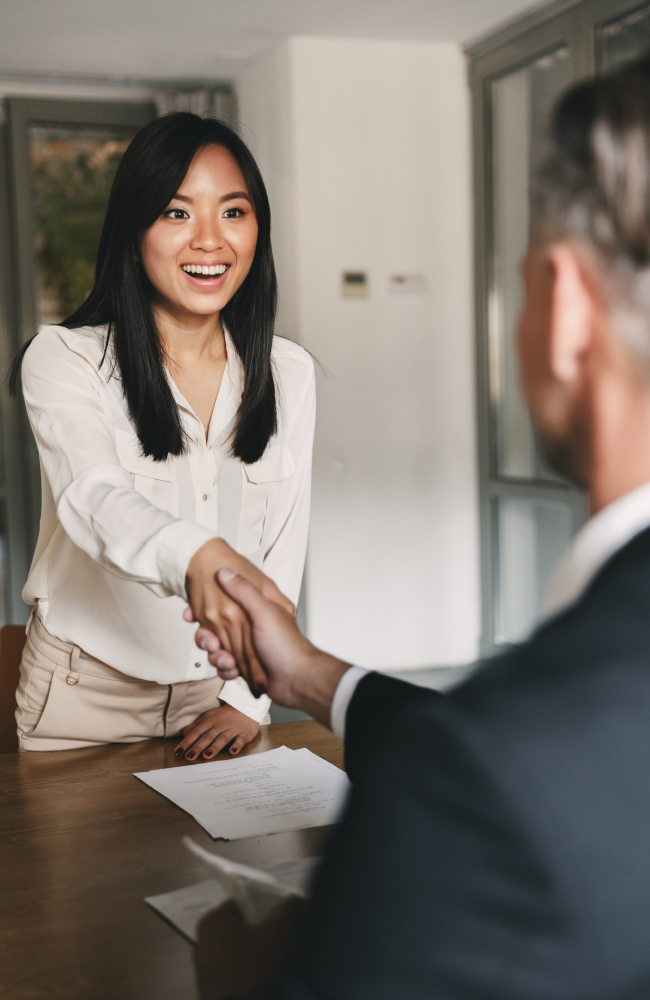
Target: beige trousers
x=67 y=699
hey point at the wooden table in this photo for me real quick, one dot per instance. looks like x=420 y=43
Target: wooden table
x=82 y=842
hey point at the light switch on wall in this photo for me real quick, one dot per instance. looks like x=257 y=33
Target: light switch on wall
x=407 y=284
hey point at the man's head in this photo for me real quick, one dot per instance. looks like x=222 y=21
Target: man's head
x=584 y=335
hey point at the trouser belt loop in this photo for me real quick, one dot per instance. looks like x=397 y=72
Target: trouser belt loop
x=73 y=675
x=30 y=619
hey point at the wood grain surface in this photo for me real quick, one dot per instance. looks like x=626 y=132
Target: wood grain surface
x=82 y=842
x=12 y=641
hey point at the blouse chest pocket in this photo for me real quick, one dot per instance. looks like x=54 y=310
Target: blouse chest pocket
x=275 y=465
x=154 y=480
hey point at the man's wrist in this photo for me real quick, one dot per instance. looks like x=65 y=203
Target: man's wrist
x=314 y=686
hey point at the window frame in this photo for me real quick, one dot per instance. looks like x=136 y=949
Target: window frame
x=20 y=486
x=575 y=24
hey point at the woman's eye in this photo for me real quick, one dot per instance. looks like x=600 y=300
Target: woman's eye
x=233 y=213
x=175 y=213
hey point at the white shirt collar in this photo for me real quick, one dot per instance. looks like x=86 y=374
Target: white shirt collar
x=601 y=537
x=227 y=401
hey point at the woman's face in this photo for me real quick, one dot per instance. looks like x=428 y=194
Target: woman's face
x=197 y=254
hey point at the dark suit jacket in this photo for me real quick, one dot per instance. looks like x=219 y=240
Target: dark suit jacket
x=497 y=840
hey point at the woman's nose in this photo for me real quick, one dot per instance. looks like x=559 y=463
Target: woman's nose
x=208 y=236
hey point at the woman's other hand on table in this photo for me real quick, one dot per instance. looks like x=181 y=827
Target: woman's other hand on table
x=214 y=730
x=217 y=612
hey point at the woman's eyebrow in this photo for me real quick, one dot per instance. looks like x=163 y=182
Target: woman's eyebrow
x=226 y=197
x=235 y=194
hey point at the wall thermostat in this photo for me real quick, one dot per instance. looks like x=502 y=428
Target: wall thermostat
x=354 y=285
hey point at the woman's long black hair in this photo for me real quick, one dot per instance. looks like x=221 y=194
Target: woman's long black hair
x=149 y=175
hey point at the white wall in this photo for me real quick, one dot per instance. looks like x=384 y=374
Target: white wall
x=264 y=106
x=365 y=147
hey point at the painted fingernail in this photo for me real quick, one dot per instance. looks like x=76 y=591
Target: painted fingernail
x=179 y=752
x=234 y=749
x=208 y=753
x=191 y=755
x=226 y=575
x=223 y=662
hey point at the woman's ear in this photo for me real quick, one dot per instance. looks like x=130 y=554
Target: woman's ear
x=574 y=310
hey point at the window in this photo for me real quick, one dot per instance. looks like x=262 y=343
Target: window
x=528 y=513
x=57 y=162
x=624 y=38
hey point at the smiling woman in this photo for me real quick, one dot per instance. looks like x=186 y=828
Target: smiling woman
x=164 y=457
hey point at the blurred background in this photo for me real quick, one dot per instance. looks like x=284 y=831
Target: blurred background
x=396 y=141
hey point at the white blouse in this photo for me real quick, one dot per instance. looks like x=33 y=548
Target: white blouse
x=118 y=530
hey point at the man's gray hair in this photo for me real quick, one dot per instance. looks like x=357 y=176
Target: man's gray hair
x=593 y=185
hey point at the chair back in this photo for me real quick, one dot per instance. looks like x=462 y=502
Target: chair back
x=12 y=640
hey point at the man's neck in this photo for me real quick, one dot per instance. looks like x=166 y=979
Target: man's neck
x=620 y=444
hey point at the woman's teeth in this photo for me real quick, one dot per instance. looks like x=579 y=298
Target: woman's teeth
x=211 y=270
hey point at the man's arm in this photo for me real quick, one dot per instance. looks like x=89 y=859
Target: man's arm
x=431 y=886
x=301 y=676
x=372 y=713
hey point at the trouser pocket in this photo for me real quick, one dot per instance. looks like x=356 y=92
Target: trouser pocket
x=68 y=703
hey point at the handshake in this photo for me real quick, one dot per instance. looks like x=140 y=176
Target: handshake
x=284 y=663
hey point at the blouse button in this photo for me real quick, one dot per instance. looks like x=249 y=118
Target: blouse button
x=205 y=496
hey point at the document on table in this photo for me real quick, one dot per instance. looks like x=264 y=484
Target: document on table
x=184 y=908
x=269 y=792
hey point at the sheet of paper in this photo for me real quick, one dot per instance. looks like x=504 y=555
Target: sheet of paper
x=184 y=908
x=280 y=789
x=304 y=752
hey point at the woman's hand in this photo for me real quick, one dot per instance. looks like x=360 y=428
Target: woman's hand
x=299 y=675
x=212 y=731
x=215 y=611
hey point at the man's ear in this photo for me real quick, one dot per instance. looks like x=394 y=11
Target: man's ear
x=573 y=313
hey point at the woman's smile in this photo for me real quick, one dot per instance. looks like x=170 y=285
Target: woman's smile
x=206 y=276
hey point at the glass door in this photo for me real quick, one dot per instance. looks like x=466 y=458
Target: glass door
x=533 y=512
x=528 y=513
x=62 y=158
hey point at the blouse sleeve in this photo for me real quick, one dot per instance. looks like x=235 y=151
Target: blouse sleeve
x=94 y=495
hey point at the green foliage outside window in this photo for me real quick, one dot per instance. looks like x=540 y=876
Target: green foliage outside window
x=72 y=174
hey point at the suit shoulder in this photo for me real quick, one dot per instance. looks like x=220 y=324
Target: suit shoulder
x=581 y=678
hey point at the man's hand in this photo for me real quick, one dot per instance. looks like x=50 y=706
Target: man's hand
x=233 y=960
x=214 y=730
x=210 y=606
x=299 y=675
